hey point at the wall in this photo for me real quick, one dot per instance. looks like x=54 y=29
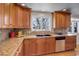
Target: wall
x=76 y=19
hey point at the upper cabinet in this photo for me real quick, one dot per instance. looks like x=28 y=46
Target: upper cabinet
x=4 y=15
x=19 y=17
x=27 y=17
x=1 y=14
x=14 y=16
x=61 y=19
x=7 y=15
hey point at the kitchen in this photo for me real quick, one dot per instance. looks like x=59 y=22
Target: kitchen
x=27 y=30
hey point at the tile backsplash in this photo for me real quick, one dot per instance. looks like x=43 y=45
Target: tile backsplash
x=4 y=33
x=29 y=32
x=63 y=31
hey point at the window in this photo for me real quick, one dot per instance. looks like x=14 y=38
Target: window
x=74 y=26
x=41 y=22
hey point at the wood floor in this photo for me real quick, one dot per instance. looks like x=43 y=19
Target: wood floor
x=66 y=53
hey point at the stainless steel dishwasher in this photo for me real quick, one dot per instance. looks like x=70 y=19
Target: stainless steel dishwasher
x=60 y=43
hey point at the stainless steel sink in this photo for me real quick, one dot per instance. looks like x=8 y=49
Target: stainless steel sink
x=45 y=35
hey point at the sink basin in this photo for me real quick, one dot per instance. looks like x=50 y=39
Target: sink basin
x=59 y=33
x=43 y=35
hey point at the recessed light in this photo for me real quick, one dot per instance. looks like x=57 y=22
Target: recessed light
x=23 y=4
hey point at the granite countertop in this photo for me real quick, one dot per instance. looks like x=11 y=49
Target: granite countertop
x=10 y=46
x=68 y=34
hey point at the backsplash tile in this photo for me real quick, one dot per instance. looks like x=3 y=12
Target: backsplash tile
x=4 y=34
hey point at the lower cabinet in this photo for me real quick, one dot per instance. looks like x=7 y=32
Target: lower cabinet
x=30 y=47
x=70 y=42
x=50 y=44
x=42 y=46
x=39 y=46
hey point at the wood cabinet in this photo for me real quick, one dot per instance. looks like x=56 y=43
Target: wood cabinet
x=19 y=17
x=39 y=46
x=50 y=44
x=8 y=15
x=4 y=16
x=14 y=16
x=45 y=45
x=23 y=17
x=27 y=18
x=30 y=47
x=61 y=19
x=70 y=42
x=1 y=14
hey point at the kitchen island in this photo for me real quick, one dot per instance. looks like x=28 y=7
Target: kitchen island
x=33 y=45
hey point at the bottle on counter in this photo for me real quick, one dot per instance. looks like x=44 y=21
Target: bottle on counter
x=12 y=34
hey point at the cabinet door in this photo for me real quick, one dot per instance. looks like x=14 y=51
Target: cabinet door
x=19 y=17
x=33 y=47
x=6 y=19
x=68 y=20
x=30 y=47
x=70 y=42
x=63 y=21
x=57 y=20
x=26 y=47
x=41 y=46
x=26 y=18
x=50 y=45
x=60 y=21
x=1 y=14
x=13 y=16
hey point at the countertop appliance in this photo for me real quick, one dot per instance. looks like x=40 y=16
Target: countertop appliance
x=60 y=43
x=19 y=34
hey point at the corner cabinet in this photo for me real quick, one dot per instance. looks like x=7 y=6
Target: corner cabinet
x=14 y=16
x=61 y=19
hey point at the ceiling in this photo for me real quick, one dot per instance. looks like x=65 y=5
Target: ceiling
x=51 y=7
